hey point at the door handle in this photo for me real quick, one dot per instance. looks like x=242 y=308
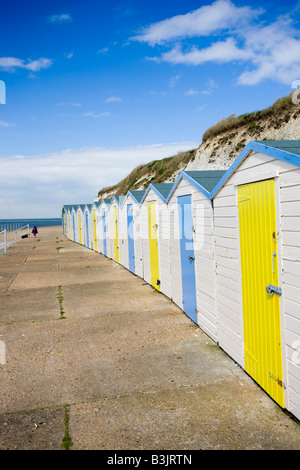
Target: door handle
x=273 y=289
x=191 y=257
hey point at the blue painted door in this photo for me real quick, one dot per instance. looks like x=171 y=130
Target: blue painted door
x=74 y=233
x=87 y=229
x=186 y=233
x=130 y=238
x=104 y=233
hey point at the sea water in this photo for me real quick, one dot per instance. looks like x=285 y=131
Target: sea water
x=13 y=224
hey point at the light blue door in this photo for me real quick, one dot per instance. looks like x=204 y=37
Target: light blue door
x=189 y=298
x=104 y=233
x=74 y=236
x=130 y=238
x=87 y=229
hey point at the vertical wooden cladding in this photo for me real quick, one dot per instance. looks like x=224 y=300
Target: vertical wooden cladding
x=104 y=231
x=153 y=244
x=95 y=229
x=80 y=226
x=259 y=268
x=130 y=238
x=116 y=234
x=187 y=255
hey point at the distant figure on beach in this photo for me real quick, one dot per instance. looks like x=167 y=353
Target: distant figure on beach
x=34 y=231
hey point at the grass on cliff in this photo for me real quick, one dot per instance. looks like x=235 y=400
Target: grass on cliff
x=156 y=171
x=232 y=122
x=159 y=171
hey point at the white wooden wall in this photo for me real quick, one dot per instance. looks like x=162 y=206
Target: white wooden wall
x=123 y=236
x=100 y=234
x=91 y=230
x=99 y=231
x=138 y=252
x=227 y=254
x=110 y=233
x=175 y=258
x=162 y=219
x=78 y=231
x=138 y=245
x=145 y=242
x=204 y=255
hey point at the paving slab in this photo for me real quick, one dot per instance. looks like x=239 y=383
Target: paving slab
x=129 y=368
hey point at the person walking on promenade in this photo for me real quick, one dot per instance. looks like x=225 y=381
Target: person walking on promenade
x=34 y=231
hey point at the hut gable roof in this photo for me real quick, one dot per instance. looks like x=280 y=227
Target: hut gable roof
x=161 y=189
x=284 y=150
x=119 y=200
x=137 y=195
x=204 y=181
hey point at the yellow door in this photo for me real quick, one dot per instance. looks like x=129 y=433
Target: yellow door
x=79 y=224
x=261 y=307
x=95 y=231
x=153 y=245
x=116 y=235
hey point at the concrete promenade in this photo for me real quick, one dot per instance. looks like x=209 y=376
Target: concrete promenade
x=96 y=358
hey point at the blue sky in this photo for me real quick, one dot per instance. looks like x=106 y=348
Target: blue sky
x=94 y=88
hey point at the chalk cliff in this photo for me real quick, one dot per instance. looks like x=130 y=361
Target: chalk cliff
x=221 y=144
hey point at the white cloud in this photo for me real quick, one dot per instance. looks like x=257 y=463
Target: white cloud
x=220 y=15
x=222 y=51
x=267 y=51
x=38 y=186
x=96 y=116
x=210 y=88
x=6 y=124
x=62 y=18
x=12 y=63
x=113 y=99
x=276 y=53
x=174 y=80
x=191 y=92
x=104 y=50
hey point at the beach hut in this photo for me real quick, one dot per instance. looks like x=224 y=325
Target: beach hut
x=76 y=219
x=73 y=223
x=64 y=219
x=113 y=227
x=103 y=226
x=66 y=216
x=130 y=233
x=96 y=224
x=88 y=239
x=80 y=222
x=192 y=265
x=155 y=236
x=257 y=254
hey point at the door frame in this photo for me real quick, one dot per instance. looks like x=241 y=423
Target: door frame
x=149 y=219
x=104 y=230
x=130 y=239
x=180 y=227
x=274 y=175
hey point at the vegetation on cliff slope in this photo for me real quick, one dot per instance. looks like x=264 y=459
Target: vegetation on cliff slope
x=156 y=171
x=245 y=127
